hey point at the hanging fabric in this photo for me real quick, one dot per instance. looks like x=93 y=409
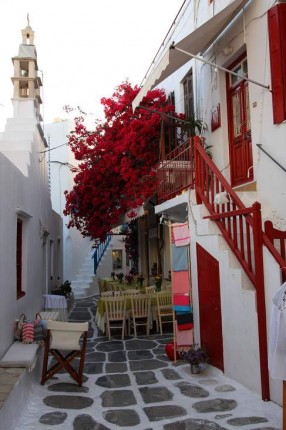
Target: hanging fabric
x=277 y=338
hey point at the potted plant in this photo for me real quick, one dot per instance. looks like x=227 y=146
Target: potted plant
x=120 y=276
x=195 y=356
x=63 y=290
x=158 y=282
x=140 y=279
x=129 y=278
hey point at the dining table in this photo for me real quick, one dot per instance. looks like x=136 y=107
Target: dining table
x=109 y=284
x=100 y=311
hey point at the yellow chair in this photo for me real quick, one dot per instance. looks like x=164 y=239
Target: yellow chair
x=164 y=311
x=140 y=313
x=64 y=336
x=150 y=290
x=115 y=314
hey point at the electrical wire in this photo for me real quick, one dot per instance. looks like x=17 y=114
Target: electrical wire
x=55 y=147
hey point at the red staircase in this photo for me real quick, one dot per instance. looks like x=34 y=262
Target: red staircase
x=189 y=166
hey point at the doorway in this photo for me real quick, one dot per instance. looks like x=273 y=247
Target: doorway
x=240 y=144
x=210 y=306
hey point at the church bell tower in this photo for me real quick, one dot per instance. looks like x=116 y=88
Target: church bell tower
x=27 y=84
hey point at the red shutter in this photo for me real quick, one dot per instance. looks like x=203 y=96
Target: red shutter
x=277 y=46
x=19 y=257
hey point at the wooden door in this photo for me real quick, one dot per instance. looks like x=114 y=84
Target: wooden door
x=240 y=145
x=210 y=307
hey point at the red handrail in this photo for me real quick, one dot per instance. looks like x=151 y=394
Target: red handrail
x=242 y=230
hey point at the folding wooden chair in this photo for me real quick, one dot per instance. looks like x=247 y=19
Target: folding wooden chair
x=64 y=336
x=164 y=311
x=140 y=313
x=115 y=314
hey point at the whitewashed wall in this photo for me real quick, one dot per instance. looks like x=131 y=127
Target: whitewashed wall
x=27 y=196
x=61 y=159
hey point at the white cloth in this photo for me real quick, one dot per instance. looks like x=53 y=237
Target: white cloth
x=277 y=338
x=53 y=303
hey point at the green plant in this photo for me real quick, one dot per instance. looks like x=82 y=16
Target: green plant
x=63 y=290
x=195 y=355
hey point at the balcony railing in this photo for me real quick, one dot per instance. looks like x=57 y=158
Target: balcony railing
x=176 y=172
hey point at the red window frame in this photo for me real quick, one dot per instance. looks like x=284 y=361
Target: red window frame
x=19 y=258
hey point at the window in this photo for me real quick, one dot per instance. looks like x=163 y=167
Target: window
x=117 y=259
x=19 y=258
x=189 y=95
x=277 y=48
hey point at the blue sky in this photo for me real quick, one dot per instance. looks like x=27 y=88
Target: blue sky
x=85 y=49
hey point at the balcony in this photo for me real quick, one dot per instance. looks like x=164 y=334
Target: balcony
x=175 y=173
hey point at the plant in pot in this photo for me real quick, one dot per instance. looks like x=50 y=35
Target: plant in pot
x=195 y=356
x=140 y=279
x=129 y=278
x=120 y=277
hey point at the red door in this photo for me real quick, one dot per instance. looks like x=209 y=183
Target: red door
x=240 y=147
x=209 y=306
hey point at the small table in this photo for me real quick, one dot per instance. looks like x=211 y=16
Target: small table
x=56 y=303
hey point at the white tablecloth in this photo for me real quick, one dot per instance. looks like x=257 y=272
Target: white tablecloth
x=53 y=302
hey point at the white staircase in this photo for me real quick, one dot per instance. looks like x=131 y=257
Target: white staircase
x=85 y=284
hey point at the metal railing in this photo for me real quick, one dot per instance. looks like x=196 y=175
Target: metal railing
x=99 y=252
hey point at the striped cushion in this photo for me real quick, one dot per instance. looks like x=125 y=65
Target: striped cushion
x=28 y=332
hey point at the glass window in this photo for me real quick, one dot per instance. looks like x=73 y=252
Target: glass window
x=117 y=259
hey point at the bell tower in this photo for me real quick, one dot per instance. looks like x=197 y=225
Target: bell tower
x=26 y=82
x=23 y=138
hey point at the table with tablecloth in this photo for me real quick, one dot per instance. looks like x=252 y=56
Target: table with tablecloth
x=56 y=303
x=100 y=314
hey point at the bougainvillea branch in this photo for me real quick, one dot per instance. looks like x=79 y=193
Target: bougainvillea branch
x=117 y=161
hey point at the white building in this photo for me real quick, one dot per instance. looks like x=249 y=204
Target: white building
x=76 y=248
x=231 y=75
x=31 y=232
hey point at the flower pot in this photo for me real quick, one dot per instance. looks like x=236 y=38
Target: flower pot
x=195 y=369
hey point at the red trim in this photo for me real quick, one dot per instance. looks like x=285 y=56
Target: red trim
x=277 y=48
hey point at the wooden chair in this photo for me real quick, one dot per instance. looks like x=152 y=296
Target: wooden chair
x=140 y=313
x=150 y=290
x=164 y=311
x=130 y=292
x=116 y=293
x=107 y=294
x=115 y=314
x=64 y=336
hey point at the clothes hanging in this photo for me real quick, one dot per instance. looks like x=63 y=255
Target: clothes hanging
x=181 y=234
x=277 y=338
x=179 y=258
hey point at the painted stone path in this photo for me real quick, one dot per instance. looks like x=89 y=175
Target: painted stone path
x=131 y=384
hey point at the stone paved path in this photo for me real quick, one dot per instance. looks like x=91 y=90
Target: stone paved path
x=131 y=384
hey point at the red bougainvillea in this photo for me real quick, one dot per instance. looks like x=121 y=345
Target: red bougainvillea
x=116 y=171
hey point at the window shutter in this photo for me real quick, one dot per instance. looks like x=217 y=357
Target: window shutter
x=277 y=47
